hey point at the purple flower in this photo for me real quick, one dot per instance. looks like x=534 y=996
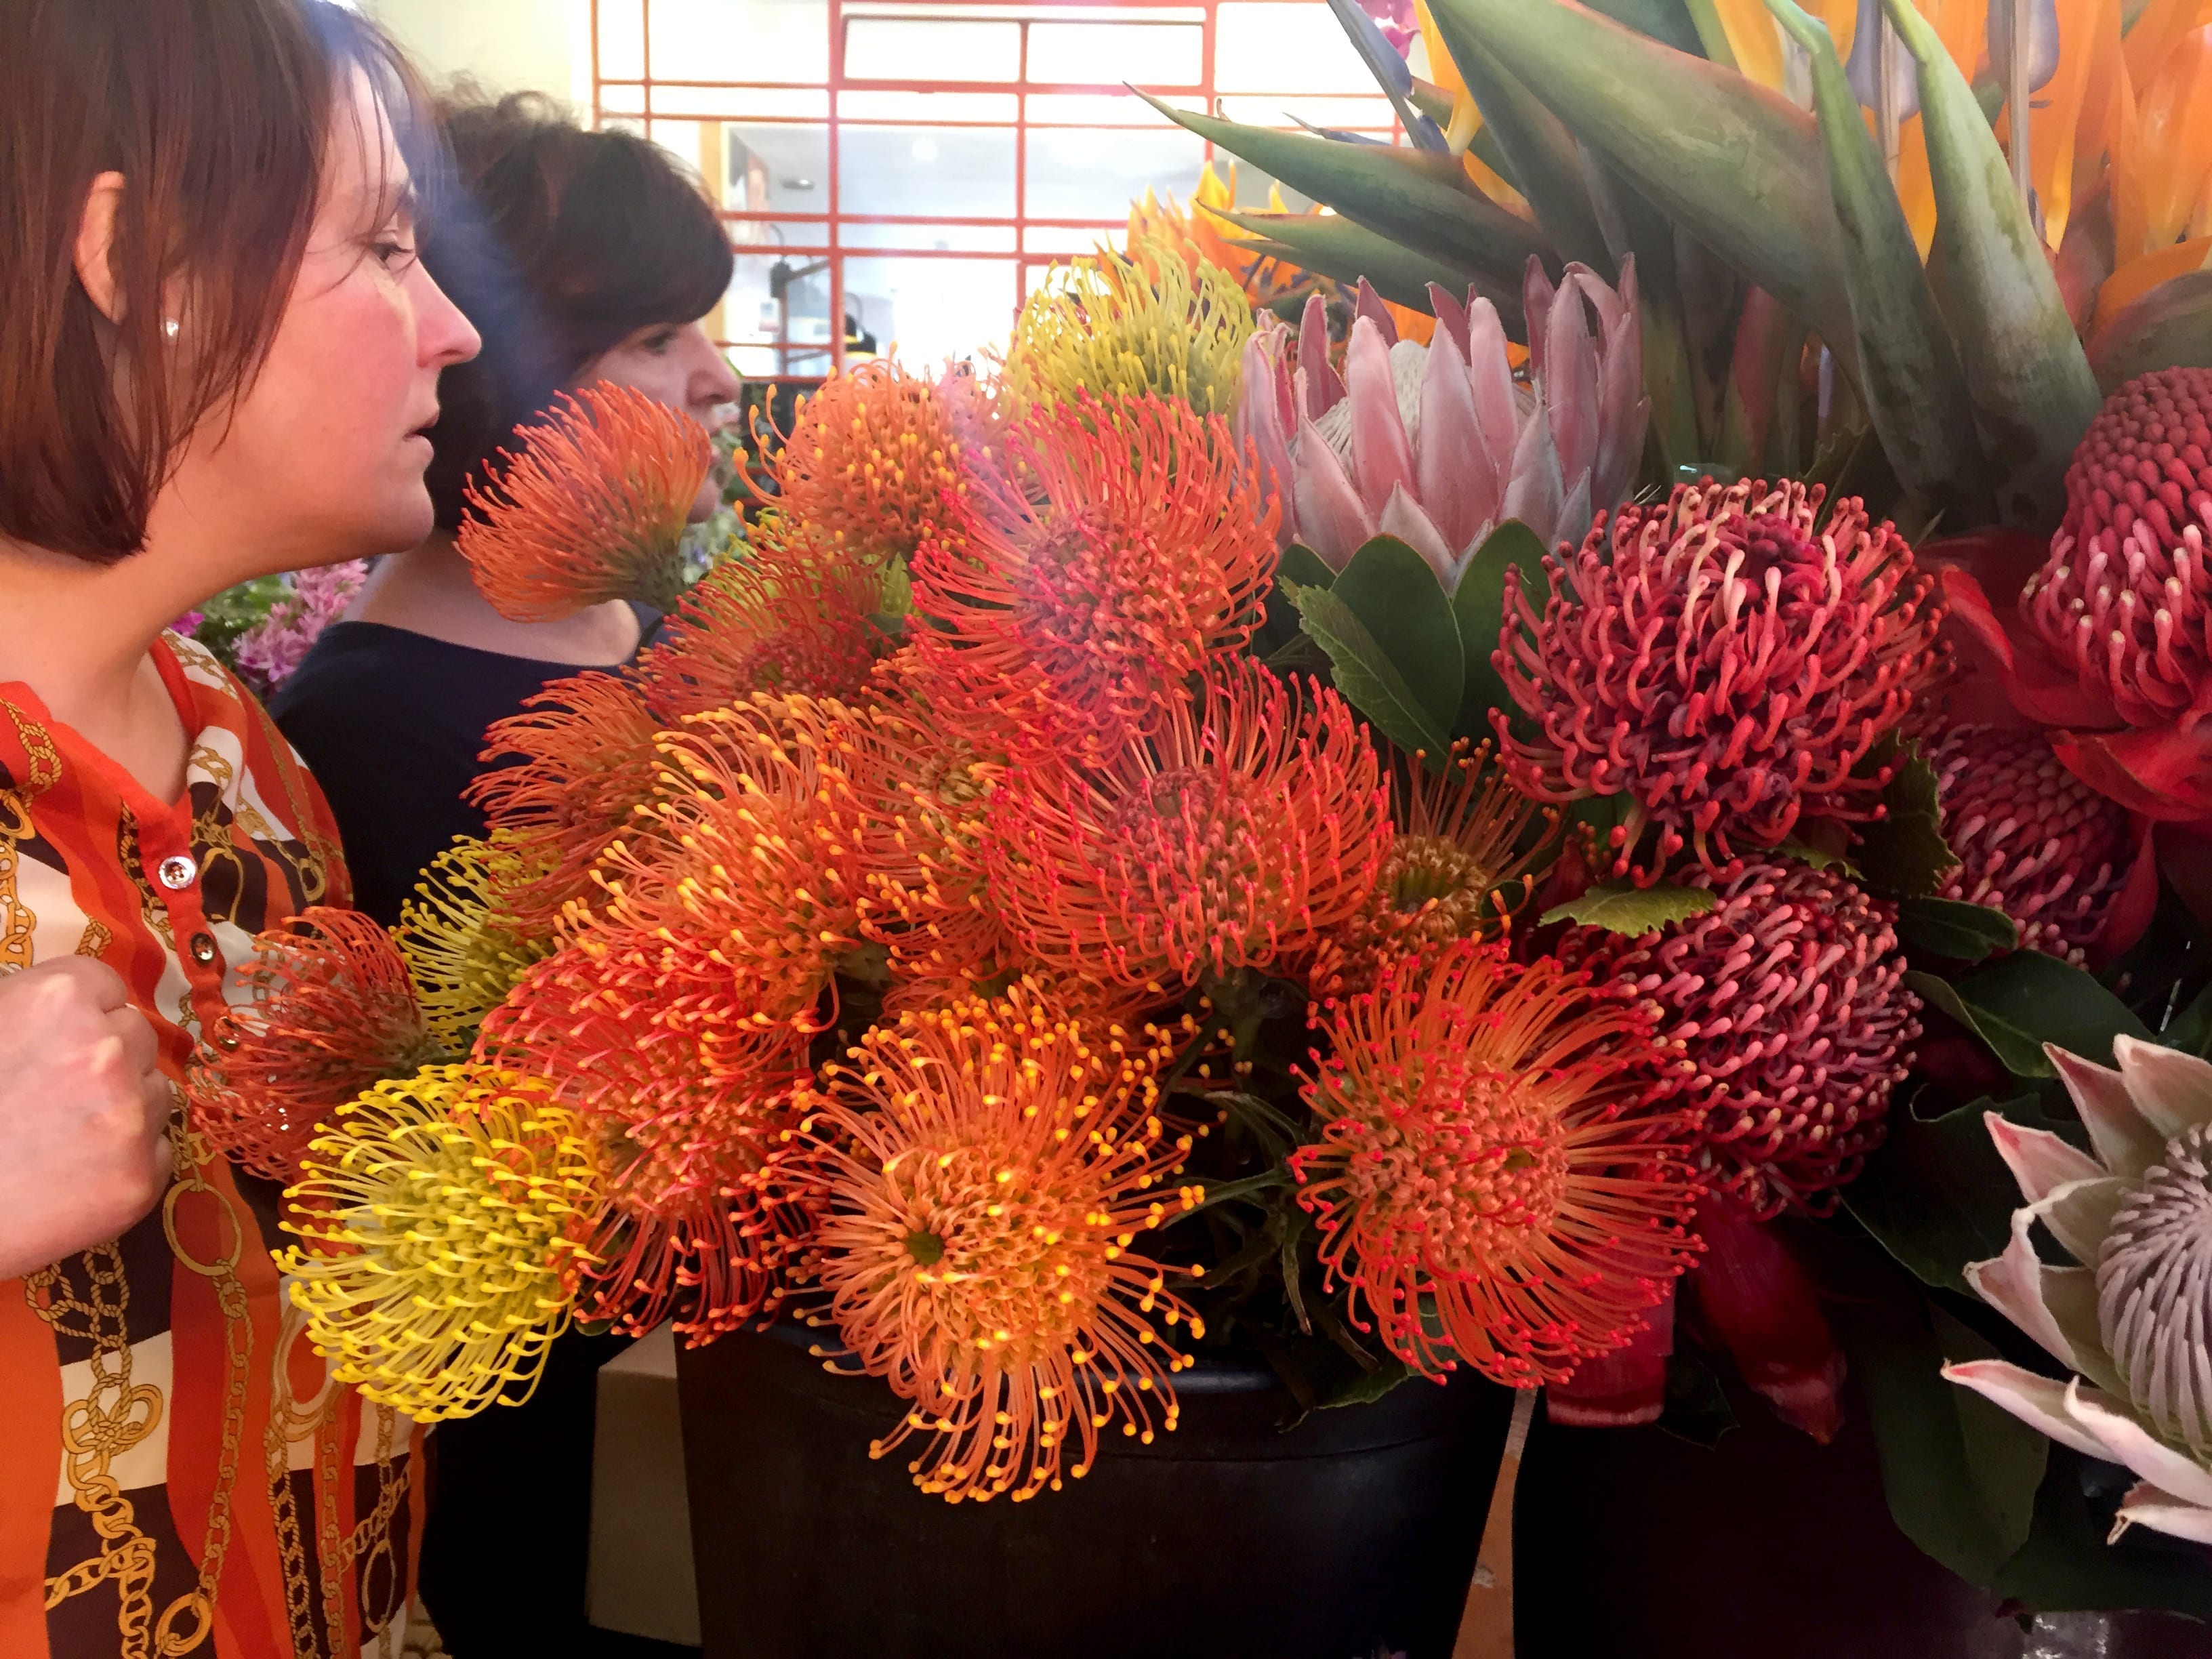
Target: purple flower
x=271 y=651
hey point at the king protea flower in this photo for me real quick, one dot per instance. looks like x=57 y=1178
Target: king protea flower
x=1725 y=659
x=1436 y=444
x=594 y=509
x=873 y=462
x=2136 y=1219
x=333 y=1011
x=1497 y=1179
x=985 y=1171
x=1074 y=606
x=2112 y=641
x=1251 y=825
x=437 y=1215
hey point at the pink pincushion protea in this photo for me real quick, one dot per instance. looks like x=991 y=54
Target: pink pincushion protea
x=1726 y=659
x=2034 y=841
x=1787 y=1005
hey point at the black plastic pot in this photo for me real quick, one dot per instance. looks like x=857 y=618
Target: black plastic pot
x=1229 y=1539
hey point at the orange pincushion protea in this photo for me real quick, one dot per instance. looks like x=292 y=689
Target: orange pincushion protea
x=580 y=763
x=873 y=462
x=1464 y=835
x=1248 y=827
x=984 y=1173
x=1495 y=1179
x=594 y=509
x=333 y=1013
x=1075 y=603
x=795 y=614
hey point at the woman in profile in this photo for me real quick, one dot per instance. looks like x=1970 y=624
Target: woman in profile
x=218 y=357
x=584 y=257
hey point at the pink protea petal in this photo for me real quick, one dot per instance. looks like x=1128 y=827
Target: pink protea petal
x=1451 y=318
x=2036 y=1400
x=1624 y=413
x=1490 y=371
x=1402 y=517
x=1460 y=489
x=2014 y=1284
x=1568 y=385
x=2171 y=1090
x=2079 y=1213
x=1333 y=519
x=1382 y=456
x=2126 y=1143
x=1367 y=303
x=1536 y=488
x=2039 y=1161
x=1537 y=295
x=2158 y=771
x=2147 y=1506
x=1267 y=417
x=2126 y=1441
x=1320 y=388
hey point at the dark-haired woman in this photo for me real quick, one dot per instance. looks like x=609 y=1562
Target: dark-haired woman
x=217 y=355
x=584 y=257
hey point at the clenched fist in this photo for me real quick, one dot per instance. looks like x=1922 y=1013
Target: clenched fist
x=84 y=1113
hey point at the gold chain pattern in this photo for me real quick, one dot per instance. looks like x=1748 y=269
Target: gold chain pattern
x=17 y=921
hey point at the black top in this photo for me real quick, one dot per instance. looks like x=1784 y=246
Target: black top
x=391 y=723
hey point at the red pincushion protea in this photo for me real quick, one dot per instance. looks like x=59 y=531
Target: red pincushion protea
x=1787 y=1004
x=578 y=765
x=1245 y=829
x=1498 y=1178
x=1077 y=601
x=594 y=508
x=795 y=614
x=2033 y=841
x=333 y=1013
x=1724 y=660
x=873 y=462
x=982 y=1172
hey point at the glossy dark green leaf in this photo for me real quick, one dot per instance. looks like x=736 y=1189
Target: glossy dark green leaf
x=1544 y=159
x=2027 y=999
x=2025 y=366
x=1330 y=244
x=1366 y=677
x=1621 y=907
x=1903 y=853
x=1302 y=565
x=2006 y=1457
x=1365 y=1387
x=1909 y=370
x=1665 y=21
x=1936 y=1195
x=1392 y=590
x=1479 y=606
x=1424 y=202
x=1954 y=930
x=1739 y=166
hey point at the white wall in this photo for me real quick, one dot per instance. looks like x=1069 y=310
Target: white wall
x=509 y=46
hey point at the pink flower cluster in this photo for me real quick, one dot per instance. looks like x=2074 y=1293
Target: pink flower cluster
x=269 y=652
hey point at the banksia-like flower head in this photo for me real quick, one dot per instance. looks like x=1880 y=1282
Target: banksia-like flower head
x=333 y=1011
x=1725 y=661
x=2033 y=841
x=592 y=509
x=1787 y=1009
x=1251 y=824
x=984 y=1173
x=436 y=1215
x=872 y=463
x=1074 y=607
x=1494 y=1179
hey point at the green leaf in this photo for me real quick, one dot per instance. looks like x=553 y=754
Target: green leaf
x=2067 y=1564
x=1330 y=244
x=1740 y=168
x=1936 y=1195
x=1478 y=608
x=2020 y=1054
x=1365 y=1387
x=1909 y=371
x=1955 y=930
x=1364 y=674
x=2191 y=1030
x=1821 y=858
x=2051 y=1001
x=2024 y=363
x=1697 y=1406
x=1667 y=21
x=1546 y=164
x=1302 y=565
x=1621 y=907
x=2170 y=326
x=1963 y=1496
x=1424 y=202
x=1392 y=590
x=1903 y=853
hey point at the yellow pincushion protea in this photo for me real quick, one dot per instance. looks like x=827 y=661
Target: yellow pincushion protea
x=1121 y=325
x=437 y=1216
x=462 y=953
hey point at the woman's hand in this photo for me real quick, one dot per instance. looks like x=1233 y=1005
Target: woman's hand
x=84 y=1113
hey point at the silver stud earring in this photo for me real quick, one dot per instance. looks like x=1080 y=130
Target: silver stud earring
x=171 y=327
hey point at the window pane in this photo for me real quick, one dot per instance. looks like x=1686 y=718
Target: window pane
x=1105 y=54
x=928 y=108
x=804 y=103
x=772 y=167
x=933 y=309
x=1371 y=115
x=962 y=239
x=1093 y=109
x=778 y=235
x=961 y=172
x=780 y=308
x=1282 y=45
x=740 y=40
x=619 y=99
x=932 y=49
x=1252 y=188
x=1094 y=173
x=1061 y=240
x=621 y=39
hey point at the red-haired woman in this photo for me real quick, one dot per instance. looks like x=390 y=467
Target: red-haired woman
x=218 y=356
x=584 y=257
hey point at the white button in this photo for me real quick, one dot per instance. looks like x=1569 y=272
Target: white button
x=177 y=873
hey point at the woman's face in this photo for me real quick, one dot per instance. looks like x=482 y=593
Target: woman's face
x=676 y=364
x=324 y=451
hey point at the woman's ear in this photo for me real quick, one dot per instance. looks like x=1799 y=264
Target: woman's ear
x=95 y=245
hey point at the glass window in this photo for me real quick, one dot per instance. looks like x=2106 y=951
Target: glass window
x=942 y=239
x=1284 y=46
x=621 y=39
x=776 y=167
x=932 y=49
x=780 y=235
x=792 y=103
x=957 y=173
x=1368 y=115
x=619 y=99
x=1107 y=54
x=1091 y=109
x=927 y=108
x=1095 y=173
x=738 y=39
x=933 y=309
x=777 y=312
